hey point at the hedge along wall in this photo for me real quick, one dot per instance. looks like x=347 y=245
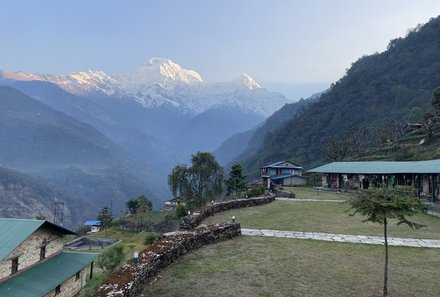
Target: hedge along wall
x=131 y=280
x=193 y=220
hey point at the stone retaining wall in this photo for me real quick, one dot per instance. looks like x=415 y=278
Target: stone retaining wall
x=193 y=220
x=131 y=280
x=284 y=194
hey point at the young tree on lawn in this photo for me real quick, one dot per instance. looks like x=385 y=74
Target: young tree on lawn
x=380 y=205
x=235 y=184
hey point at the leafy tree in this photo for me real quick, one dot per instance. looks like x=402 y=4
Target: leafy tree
x=380 y=205
x=144 y=204
x=199 y=183
x=132 y=205
x=40 y=217
x=105 y=217
x=140 y=204
x=435 y=101
x=235 y=184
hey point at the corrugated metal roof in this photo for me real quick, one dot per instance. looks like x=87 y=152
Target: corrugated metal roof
x=41 y=279
x=15 y=231
x=92 y=223
x=278 y=165
x=380 y=167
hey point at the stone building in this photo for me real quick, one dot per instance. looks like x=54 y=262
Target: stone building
x=33 y=263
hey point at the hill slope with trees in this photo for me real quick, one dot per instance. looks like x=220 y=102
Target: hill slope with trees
x=381 y=90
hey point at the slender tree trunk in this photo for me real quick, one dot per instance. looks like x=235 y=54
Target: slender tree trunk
x=385 y=274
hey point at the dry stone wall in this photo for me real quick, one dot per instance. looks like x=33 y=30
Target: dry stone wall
x=193 y=220
x=131 y=280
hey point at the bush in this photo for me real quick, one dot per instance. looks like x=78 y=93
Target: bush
x=255 y=192
x=111 y=257
x=180 y=211
x=150 y=238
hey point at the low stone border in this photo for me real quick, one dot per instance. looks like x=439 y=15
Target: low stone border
x=130 y=280
x=284 y=194
x=193 y=220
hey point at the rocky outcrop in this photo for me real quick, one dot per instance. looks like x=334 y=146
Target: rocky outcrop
x=131 y=279
x=193 y=220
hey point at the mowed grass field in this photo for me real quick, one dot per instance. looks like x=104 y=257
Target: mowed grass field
x=322 y=216
x=265 y=266
x=260 y=266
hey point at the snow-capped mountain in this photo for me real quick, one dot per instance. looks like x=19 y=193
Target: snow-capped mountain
x=161 y=82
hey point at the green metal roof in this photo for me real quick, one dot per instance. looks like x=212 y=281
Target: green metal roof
x=15 y=231
x=42 y=278
x=380 y=167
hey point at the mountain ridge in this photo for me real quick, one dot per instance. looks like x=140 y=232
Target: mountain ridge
x=163 y=82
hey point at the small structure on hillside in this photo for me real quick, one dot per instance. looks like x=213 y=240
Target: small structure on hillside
x=93 y=225
x=422 y=175
x=283 y=173
x=173 y=203
x=33 y=263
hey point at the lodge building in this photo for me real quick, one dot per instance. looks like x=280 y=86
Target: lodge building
x=422 y=175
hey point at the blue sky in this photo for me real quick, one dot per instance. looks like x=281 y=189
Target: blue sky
x=297 y=47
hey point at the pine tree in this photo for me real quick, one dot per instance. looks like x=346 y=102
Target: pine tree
x=235 y=184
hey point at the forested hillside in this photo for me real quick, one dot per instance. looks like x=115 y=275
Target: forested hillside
x=243 y=145
x=377 y=91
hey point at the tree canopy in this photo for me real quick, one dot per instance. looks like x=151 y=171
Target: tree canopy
x=139 y=204
x=198 y=183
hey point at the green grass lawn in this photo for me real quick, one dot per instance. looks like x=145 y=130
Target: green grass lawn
x=258 y=266
x=329 y=217
x=130 y=240
x=310 y=193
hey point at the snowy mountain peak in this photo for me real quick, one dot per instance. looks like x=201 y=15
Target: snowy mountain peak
x=248 y=82
x=161 y=82
x=159 y=71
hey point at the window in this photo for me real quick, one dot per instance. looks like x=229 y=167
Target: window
x=42 y=252
x=14 y=267
x=77 y=275
x=58 y=290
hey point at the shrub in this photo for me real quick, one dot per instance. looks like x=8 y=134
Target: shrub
x=180 y=211
x=111 y=257
x=255 y=192
x=150 y=238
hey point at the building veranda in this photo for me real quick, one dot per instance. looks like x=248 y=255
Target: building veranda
x=422 y=175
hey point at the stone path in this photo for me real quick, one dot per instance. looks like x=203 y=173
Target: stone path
x=411 y=242
x=308 y=200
